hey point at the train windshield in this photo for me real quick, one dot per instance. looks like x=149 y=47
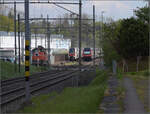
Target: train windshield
x=87 y=51
x=71 y=50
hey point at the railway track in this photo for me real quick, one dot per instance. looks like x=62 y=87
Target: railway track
x=14 y=89
x=20 y=79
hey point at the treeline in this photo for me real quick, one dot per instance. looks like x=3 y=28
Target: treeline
x=6 y=23
x=127 y=40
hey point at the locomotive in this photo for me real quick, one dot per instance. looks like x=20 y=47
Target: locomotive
x=39 y=56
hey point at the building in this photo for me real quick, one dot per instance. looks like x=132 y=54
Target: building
x=57 y=42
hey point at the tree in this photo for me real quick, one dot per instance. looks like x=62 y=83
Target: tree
x=10 y=14
x=142 y=14
x=132 y=39
x=108 y=44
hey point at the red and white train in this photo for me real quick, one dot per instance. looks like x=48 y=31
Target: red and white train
x=87 y=54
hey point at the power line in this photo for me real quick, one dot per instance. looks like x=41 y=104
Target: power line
x=38 y=2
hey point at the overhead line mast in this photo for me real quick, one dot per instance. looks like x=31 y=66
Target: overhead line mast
x=27 y=50
x=80 y=29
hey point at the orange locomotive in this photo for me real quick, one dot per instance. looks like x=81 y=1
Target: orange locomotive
x=39 y=56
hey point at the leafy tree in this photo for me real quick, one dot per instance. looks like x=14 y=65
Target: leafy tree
x=143 y=14
x=132 y=38
x=109 y=49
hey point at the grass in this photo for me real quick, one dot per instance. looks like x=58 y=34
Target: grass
x=141 y=80
x=119 y=74
x=140 y=74
x=7 y=70
x=71 y=100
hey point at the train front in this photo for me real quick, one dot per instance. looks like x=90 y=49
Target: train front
x=72 y=54
x=87 y=54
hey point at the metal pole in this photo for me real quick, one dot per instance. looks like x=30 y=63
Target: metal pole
x=15 y=34
x=102 y=26
x=35 y=39
x=94 y=34
x=22 y=46
x=87 y=37
x=27 y=50
x=48 y=36
x=99 y=40
x=19 y=38
x=80 y=29
x=45 y=40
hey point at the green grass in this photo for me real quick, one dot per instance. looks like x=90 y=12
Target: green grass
x=71 y=100
x=119 y=74
x=7 y=70
x=144 y=73
x=71 y=63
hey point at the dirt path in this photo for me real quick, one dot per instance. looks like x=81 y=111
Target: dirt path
x=109 y=103
x=132 y=103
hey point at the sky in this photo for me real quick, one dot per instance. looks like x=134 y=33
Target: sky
x=116 y=9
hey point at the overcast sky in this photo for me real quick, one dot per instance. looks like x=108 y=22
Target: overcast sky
x=116 y=9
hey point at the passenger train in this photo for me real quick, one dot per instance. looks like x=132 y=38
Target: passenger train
x=87 y=54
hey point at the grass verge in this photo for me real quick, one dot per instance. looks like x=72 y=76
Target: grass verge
x=120 y=91
x=7 y=70
x=72 y=100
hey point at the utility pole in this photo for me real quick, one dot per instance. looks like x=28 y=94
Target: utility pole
x=19 y=39
x=87 y=41
x=149 y=19
x=27 y=51
x=94 y=33
x=102 y=26
x=45 y=40
x=80 y=29
x=35 y=31
x=15 y=34
x=22 y=46
x=48 y=36
x=99 y=40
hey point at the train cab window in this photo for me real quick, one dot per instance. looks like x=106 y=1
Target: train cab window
x=71 y=50
x=36 y=54
x=87 y=51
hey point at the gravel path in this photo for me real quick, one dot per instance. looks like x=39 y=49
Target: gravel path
x=109 y=103
x=131 y=101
